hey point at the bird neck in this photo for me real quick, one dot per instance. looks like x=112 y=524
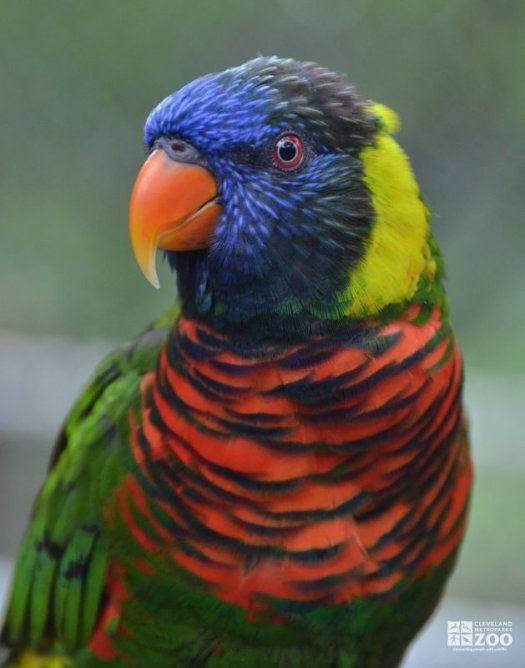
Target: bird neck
x=247 y=309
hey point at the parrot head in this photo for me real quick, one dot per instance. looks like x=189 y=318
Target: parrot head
x=281 y=197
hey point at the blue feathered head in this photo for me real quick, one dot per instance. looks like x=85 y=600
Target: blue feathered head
x=283 y=213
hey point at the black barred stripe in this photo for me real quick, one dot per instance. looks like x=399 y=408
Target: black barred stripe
x=304 y=358
x=195 y=499
x=397 y=402
x=160 y=477
x=242 y=480
x=203 y=387
x=263 y=434
x=321 y=350
x=189 y=476
x=165 y=476
x=191 y=349
x=422 y=524
x=367 y=338
x=181 y=537
x=328 y=582
x=244 y=348
x=378 y=345
x=412 y=485
x=298 y=389
x=407 y=486
x=420 y=354
x=178 y=405
x=252 y=430
x=236 y=369
x=281 y=487
x=412 y=536
x=445 y=357
x=265 y=531
x=317 y=392
x=343 y=448
x=177 y=472
x=200 y=531
x=457 y=524
x=347 y=508
x=427 y=481
x=417 y=547
x=426 y=436
x=184 y=534
x=355 y=413
x=321 y=393
x=254 y=417
x=403 y=426
x=234 y=476
x=425 y=422
x=427 y=468
x=220 y=389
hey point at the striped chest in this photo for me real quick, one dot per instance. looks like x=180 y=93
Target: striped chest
x=312 y=474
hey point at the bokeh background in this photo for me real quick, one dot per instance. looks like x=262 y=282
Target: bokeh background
x=77 y=80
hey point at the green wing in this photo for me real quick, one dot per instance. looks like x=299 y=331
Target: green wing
x=60 y=571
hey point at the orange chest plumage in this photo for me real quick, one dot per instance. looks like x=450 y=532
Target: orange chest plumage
x=324 y=470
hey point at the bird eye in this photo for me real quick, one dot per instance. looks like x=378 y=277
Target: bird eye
x=288 y=152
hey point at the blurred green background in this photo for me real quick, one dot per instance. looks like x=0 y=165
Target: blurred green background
x=77 y=80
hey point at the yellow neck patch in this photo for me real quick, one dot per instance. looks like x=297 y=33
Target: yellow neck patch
x=397 y=254
x=28 y=659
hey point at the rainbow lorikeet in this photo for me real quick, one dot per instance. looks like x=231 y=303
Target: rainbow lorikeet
x=276 y=473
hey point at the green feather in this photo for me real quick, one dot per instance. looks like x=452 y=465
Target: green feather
x=60 y=572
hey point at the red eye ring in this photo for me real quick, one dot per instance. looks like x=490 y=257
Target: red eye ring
x=288 y=151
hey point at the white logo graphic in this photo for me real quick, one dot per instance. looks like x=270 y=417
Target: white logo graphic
x=469 y=636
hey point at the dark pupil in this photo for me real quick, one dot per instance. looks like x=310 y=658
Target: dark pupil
x=287 y=150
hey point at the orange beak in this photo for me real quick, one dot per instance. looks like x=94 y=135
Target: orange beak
x=173 y=207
